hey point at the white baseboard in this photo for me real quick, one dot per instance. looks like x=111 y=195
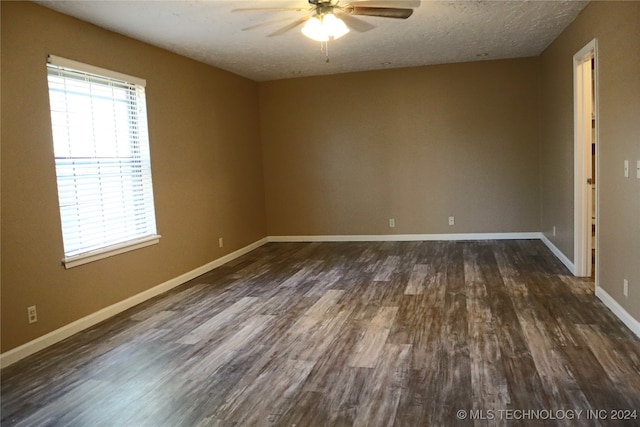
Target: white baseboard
x=72 y=328
x=405 y=237
x=558 y=253
x=618 y=310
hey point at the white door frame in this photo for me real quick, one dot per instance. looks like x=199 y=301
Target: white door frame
x=583 y=108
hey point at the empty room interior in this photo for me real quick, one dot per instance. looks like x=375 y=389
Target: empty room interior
x=371 y=230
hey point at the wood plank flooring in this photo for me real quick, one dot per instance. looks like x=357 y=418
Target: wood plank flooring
x=347 y=334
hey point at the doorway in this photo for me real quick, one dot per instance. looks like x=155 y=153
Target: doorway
x=585 y=77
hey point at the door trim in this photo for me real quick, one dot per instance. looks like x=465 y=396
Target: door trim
x=582 y=160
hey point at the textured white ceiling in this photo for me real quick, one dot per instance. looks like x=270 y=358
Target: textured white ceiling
x=438 y=32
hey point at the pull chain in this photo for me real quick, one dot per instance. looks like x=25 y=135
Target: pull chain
x=324 y=47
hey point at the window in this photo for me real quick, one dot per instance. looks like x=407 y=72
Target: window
x=103 y=167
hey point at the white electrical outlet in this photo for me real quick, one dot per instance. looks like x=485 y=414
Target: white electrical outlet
x=32 y=314
x=392 y=222
x=452 y=220
x=220 y=242
x=554 y=231
x=638 y=169
x=625 y=287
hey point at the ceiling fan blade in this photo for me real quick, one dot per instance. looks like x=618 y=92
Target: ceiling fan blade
x=289 y=26
x=388 y=3
x=266 y=23
x=270 y=9
x=383 y=12
x=355 y=23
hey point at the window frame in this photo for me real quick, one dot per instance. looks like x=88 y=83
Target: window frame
x=135 y=241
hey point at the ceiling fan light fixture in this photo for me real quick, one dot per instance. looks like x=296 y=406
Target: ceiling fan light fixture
x=324 y=27
x=335 y=27
x=314 y=30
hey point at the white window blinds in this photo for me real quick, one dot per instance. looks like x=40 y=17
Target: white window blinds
x=103 y=167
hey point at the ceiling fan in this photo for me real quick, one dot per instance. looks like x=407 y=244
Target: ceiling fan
x=329 y=20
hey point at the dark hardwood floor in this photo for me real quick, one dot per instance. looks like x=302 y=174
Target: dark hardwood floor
x=348 y=334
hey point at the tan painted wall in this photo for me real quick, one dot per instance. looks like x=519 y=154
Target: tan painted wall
x=616 y=26
x=345 y=153
x=206 y=165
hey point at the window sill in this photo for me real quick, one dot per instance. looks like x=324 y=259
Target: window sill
x=85 y=258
